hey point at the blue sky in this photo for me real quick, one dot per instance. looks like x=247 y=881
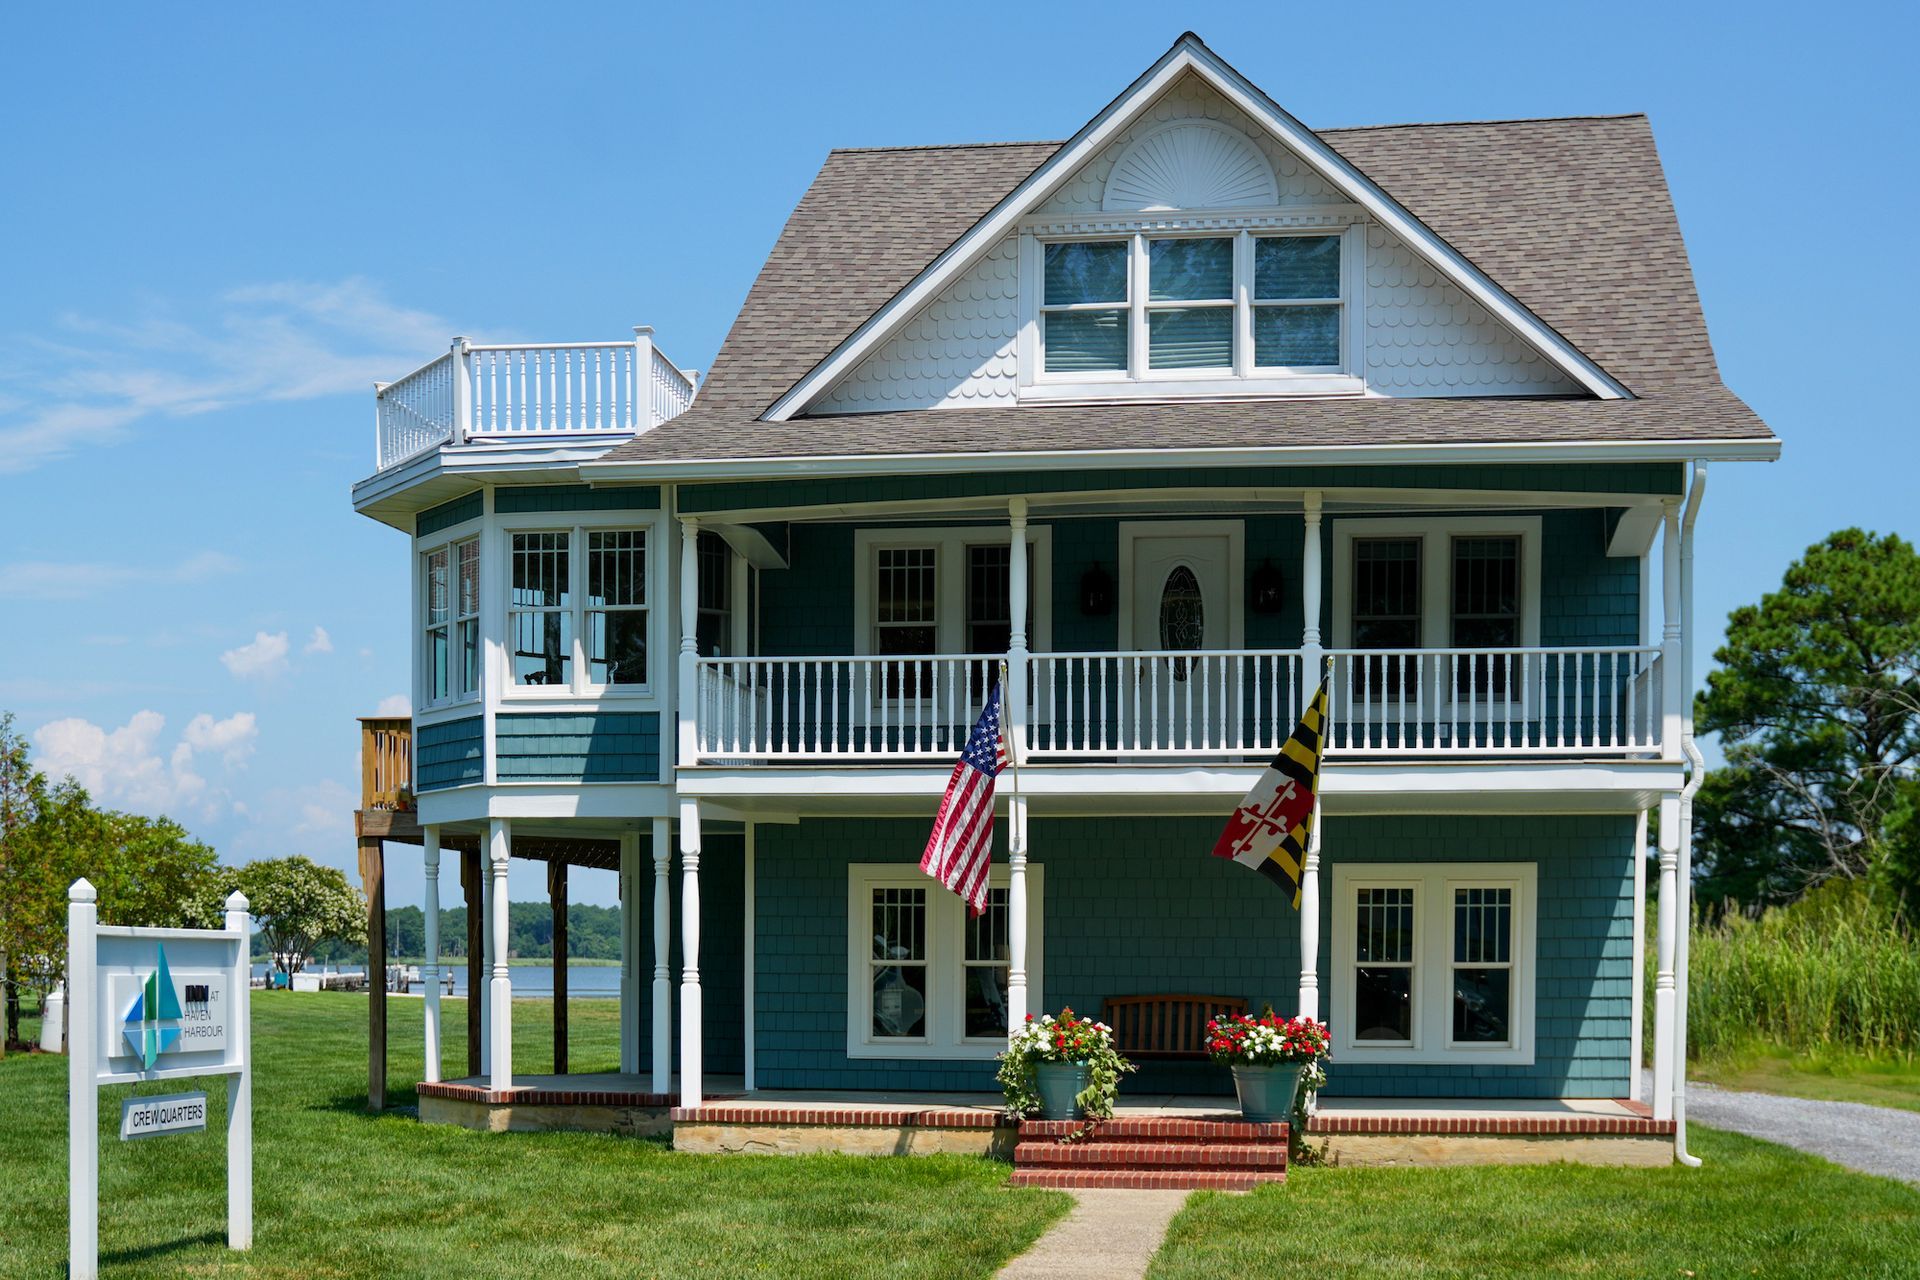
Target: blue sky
x=219 y=224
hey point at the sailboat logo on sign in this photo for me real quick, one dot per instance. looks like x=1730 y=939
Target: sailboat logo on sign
x=152 y=1024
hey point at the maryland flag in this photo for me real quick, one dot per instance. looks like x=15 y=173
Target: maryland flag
x=1270 y=829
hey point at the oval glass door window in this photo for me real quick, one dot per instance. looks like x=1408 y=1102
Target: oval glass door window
x=1183 y=615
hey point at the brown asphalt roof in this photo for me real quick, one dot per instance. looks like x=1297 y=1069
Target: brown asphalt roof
x=1571 y=216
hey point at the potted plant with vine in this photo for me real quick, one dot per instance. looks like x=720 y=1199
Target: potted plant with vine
x=1062 y=1068
x=1269 y=1055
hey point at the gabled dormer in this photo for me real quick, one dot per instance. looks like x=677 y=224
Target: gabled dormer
x=1195 y=242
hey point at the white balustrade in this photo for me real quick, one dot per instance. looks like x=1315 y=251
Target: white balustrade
x=1584 y=701
x=510 y=391
x=1187 y=703
x=866 y=708
x=1214 y=704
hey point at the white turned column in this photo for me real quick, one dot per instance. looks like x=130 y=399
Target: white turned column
x=430 y=971
x=690 y=1011
x=1663 y=986
x=686 y=692
x=1672 y=680
x=485 y=996
x=1016 y=912
x=500 y=1064
x=1311 y=661
x=1310 y=922
x=1636 y=1027
x=1014 y=707
x=662 y=970
x=629 y=952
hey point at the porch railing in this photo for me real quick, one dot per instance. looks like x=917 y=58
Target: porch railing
x=864 y=708
x=482 y=391
x=386 y=762
x=1236 y=704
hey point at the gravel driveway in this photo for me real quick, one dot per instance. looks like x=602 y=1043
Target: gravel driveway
x=1879 y=1140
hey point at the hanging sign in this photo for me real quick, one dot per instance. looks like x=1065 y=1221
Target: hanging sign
x=151 y=1117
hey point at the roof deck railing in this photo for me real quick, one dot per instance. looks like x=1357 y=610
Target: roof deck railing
x=480 y=392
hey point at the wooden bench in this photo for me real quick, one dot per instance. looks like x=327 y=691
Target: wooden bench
x=1165 y=1026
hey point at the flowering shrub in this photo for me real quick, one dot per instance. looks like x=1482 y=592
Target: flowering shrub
x=1267 y=1041
x=1067 y=1038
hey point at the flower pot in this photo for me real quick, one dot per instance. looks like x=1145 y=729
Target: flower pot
x=1059 y=1084
x=1266 y=1093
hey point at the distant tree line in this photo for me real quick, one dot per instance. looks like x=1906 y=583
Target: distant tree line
x=593 y=933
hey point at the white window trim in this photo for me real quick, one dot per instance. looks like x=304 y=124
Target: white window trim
x=946 y=968
x=1436 y=567
x=659 y=602
x=1242 y=377
x=1433 y=884
x=449 y=540
x=950 y=580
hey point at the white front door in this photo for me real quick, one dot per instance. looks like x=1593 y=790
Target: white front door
x=1182 y=597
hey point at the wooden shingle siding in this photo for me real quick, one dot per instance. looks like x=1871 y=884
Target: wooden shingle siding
x=603 y=747
x=1135 y=905
x=1623 y=477
x=575 y=497
x=448 y=514
x=449 y=754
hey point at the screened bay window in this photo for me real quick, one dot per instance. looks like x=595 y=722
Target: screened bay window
x=1193 y=305
x=925 y=978
x=577 y=608
x=451 y=643
x=1434 y=962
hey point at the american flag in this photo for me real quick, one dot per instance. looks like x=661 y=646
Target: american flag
x=962 y=841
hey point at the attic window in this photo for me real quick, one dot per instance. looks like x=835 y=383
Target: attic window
x=1189 y=306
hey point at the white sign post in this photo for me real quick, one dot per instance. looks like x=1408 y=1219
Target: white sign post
x=154 y=1004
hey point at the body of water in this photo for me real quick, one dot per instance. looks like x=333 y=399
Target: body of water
x=584 y=981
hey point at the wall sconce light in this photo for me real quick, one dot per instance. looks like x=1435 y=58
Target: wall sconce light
x=1096 y=592
x=1263 y=589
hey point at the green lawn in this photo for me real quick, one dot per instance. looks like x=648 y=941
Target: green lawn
x=1753 y=1209
x=1835 y=1077
x=340 y=1193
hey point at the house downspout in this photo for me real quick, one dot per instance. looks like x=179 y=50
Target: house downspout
x=1696 y=774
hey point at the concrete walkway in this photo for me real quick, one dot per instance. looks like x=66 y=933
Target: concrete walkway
x=1882 y=1140
x=1109 y=1235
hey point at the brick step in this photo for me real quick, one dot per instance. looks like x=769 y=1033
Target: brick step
x=1152 y=1155
x=1145 y=1179
x=1154 y=1129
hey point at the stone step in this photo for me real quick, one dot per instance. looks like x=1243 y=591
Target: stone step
x=1145 y=1179
x=1151 y=1155
x=1154 y=1129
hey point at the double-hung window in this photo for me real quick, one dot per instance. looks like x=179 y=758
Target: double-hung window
x=1465 y=584
x=714 y=625
x=1433 y=962
x=925 y=979
x=450 y=650
x=1180 y=307
x=921 y=593
x=577 y=608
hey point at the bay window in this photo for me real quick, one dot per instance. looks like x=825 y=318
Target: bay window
x=1433 y=962
x=924 y=978
x=577 y=609
x=450 y=640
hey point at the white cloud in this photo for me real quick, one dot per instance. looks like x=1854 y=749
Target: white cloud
x=290 y=340
x=78 y=579
x=263 y=657
x=394 y=705
x=319 y=642
x=315 y=818
x=129 y=767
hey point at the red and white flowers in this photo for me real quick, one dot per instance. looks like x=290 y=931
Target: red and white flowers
x=1267 y=1041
